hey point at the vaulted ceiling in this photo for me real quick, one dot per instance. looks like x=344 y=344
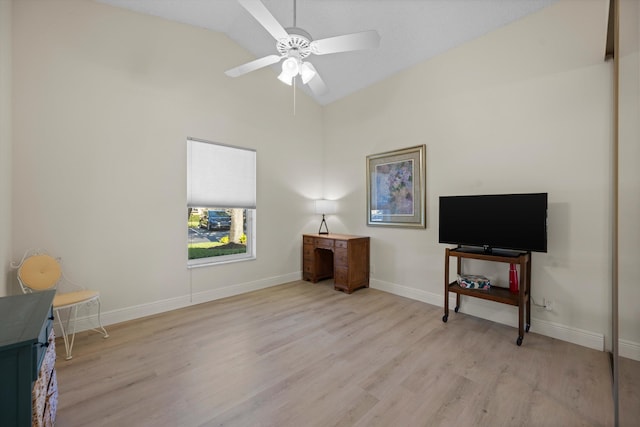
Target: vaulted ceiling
x=411 y=31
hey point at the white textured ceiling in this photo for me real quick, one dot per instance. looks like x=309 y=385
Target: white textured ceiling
x=411 y=31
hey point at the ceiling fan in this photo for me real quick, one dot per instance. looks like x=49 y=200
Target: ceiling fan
x=294 y=45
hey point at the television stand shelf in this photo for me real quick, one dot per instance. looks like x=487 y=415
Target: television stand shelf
x=521 y=299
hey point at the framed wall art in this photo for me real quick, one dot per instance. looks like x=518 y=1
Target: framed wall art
x=396 y=183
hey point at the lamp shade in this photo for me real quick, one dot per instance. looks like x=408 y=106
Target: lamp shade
x=286 y=78
x=326 y=207
x=307 y=72
x=290 y=69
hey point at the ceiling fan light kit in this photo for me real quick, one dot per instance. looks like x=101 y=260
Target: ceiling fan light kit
x=295 y=44
x=291 y=67
x=307 y=72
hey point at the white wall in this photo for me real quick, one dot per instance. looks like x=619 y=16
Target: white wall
x=104 y=101
x=5 y=145
x=526 y=108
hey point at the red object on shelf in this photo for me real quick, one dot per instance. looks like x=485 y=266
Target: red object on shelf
x=513 y=278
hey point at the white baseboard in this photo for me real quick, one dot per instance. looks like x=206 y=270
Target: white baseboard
x=405 y=291
x=629 y=349
x=87 y=322
x=241 y=288
x=88 y=319
x=570 y=334
x=504 y=315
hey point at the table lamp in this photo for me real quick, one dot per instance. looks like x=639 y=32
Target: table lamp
x=325 y=207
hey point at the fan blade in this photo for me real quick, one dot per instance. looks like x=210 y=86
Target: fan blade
x=253 y=65
x=316 y=84
x=264 y=18
x=347 y=42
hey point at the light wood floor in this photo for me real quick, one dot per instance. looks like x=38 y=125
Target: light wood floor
x=302 y=354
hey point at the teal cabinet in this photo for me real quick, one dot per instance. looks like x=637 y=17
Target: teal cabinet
x=25 y=326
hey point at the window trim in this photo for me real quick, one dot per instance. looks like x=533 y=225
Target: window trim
x=243 y=196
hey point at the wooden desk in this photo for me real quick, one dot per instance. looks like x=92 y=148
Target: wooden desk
x=341 y=256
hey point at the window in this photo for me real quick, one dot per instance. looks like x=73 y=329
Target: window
x=221 y=201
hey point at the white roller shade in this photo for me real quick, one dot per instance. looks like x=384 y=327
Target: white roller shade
x=220 y=176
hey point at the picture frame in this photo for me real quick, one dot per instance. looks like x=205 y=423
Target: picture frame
x=396 y=188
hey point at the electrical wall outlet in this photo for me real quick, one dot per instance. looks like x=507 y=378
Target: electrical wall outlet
x=548 y=305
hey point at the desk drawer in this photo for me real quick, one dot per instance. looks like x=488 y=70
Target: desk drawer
x=307 y=252
x=341 y=244
x=341 y=277
x=307 y=240
x=341 y=258
x=324 y=243
x=309 y=268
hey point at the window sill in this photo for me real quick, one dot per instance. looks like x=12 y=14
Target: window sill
x=208 y=262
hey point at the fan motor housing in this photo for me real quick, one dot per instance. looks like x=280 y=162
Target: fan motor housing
x=298 y=41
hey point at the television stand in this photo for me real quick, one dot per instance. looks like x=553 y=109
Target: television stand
x=486 y=250
x=522 y=299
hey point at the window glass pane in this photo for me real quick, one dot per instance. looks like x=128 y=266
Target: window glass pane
x=218 y=232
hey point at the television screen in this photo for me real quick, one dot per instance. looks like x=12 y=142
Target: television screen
x=495 y=221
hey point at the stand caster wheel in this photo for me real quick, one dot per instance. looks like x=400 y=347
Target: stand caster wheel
x=445 y=318
x=519 y=341
x=456 y=309
x=526 y=328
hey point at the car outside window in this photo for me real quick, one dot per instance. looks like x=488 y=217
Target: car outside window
x=218 y=235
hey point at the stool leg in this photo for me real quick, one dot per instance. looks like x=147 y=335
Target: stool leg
x=104 y=331
x=65 y=332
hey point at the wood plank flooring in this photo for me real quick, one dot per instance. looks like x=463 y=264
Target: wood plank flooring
x=302 y=354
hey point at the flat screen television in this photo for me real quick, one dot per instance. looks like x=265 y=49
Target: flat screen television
x=495 y=221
